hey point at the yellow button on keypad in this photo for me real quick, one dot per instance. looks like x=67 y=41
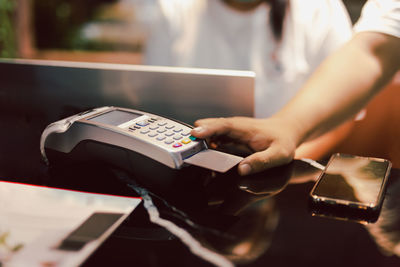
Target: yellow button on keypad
x=186 y=141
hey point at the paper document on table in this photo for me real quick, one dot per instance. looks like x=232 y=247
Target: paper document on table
x=55 y=227
x=214 y=160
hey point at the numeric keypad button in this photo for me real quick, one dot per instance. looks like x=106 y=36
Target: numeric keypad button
x=168 y=141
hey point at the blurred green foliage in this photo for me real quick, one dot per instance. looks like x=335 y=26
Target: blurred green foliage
x=58 y=22
x=7 y=34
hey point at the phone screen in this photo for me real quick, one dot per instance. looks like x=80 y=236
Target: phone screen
x=354 y=179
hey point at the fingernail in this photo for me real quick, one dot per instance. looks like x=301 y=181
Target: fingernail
x=198 y=129
x=244 y=169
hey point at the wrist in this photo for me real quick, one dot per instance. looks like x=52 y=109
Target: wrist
x=294 y=127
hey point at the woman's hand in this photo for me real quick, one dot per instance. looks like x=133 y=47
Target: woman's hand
x=273 y=140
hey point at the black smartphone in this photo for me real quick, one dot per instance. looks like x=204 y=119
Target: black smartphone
x=351 y=188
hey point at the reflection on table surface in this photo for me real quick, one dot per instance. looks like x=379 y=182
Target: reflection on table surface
x=386 y=231
x=251 y=221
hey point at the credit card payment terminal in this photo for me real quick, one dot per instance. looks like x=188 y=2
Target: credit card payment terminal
x=108 y=128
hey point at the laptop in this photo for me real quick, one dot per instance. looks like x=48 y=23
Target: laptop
x=61 y=88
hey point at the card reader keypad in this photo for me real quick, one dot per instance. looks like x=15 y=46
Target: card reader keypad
x=163 y=130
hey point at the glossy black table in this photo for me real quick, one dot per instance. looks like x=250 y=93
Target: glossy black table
x=261 y=220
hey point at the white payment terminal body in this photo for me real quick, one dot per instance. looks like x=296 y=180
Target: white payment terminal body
x=164 y=140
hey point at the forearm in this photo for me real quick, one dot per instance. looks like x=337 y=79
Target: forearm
x=342 y=85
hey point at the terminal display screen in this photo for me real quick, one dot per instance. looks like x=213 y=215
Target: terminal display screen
x=115 y=117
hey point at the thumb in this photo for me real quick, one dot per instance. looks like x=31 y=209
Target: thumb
x=260 y=161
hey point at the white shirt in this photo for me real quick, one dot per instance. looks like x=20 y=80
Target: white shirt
x=380 y=16
x=209 y=34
